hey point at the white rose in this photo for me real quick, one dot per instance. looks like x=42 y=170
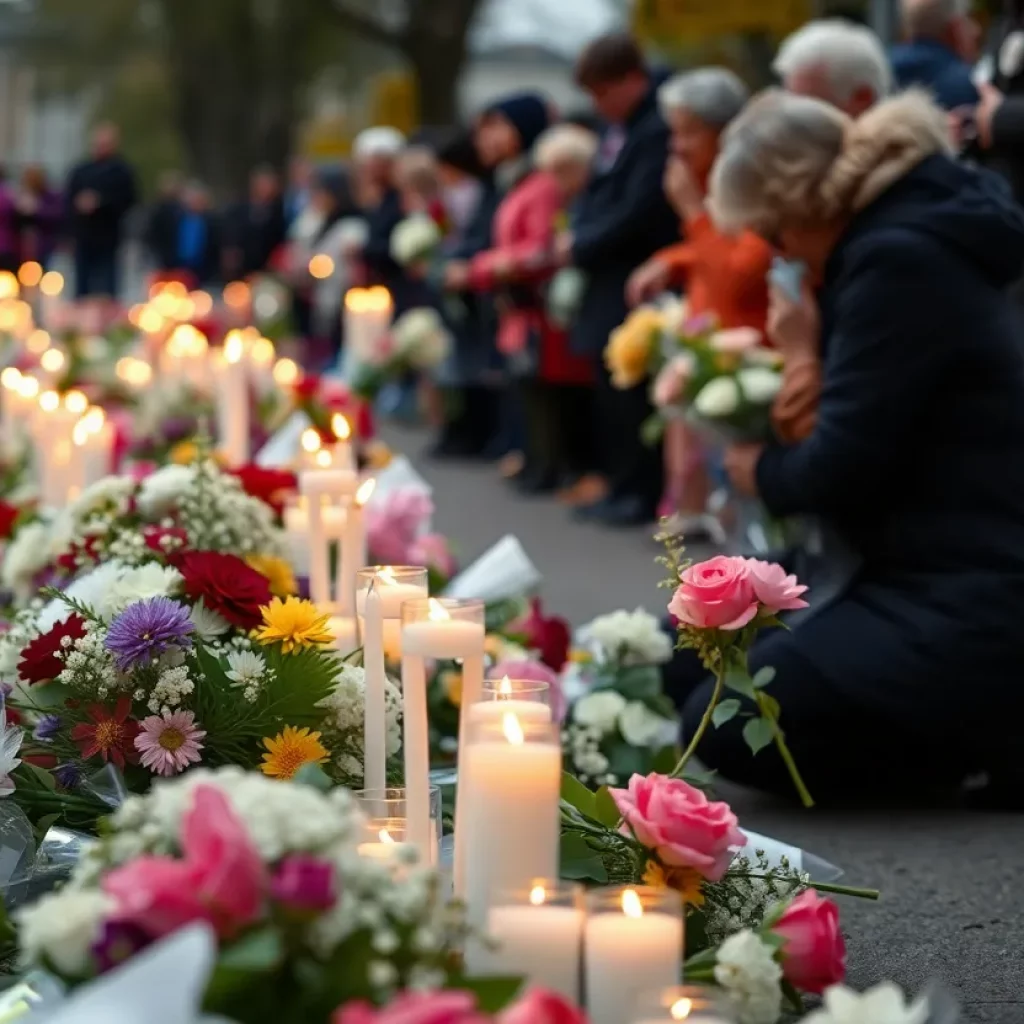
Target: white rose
x=641 y=727
x=718 y=399
x=62 y=928
x=630 y=638
x=883 y=1004
x=161 y=490
x=414 y=239
x=760 y=385
x=600 y=710
x=747 y=971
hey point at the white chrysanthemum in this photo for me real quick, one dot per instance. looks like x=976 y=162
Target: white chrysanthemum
x=628 y=638
x=92 y=590
x=149 y=580
x=26 y=555
x=747 y=971
x=61 y=928
x=883 y=1004
x=414 y=239
x=209 y=625
x=112 y=491
x=161 y=490
x=246 y=668
x=345 y=710
x=599 y=710
x=421 y=337
x=641 y=727
x=760 y=385
x=718 y=399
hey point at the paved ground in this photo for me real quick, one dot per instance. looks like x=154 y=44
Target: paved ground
x=952 y=881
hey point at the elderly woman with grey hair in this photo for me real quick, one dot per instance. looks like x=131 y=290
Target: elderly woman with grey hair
x=905 y=670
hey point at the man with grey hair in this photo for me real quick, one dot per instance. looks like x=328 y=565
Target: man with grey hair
x=836 y=61
x=941 y=45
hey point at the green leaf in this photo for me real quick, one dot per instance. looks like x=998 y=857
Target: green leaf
x=758 y=733
x=769 y=705
x=638 y=682
x=725 y=712
x=763 y=676
x=258 y=951
x=575 y=793
x=41 y=776
x=606 y=811
x=793 y=997
x=739 y=680
x=492 y=994
x=665 y=760
x=578 y=862
x=313 y=775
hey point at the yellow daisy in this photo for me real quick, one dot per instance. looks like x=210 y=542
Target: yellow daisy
x=294 y=624
x=686 y=881
x=184 y=453
x=289 y=750
x=277 y=571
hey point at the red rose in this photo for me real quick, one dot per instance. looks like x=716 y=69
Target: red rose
x=164 y=540
x=814 y=954
x=550 y=637
x=306 y=388
x=269 y=485
x=39 y=662
x=226 y=584
x=8 y=517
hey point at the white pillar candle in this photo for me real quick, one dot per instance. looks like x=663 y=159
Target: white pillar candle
x=367 y=320
x=296 y=530
x=510 y=775
x=393 y=594
x=526 y=699
x=233 y=401
x=345 y=633
x=353 y=548
x=342 y=453
x=375 y=717
x=630 y=948
x=323 y=490
x=416 y=751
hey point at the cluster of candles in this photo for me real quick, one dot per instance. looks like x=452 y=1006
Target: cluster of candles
x=367 y=318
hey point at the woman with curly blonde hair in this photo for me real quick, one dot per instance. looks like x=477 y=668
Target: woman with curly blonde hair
x=915 y=459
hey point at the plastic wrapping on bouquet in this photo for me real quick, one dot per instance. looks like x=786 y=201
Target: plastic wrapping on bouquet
x=398 y=474
x=503 y=571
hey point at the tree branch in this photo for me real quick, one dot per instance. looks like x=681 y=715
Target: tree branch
x=363 y=24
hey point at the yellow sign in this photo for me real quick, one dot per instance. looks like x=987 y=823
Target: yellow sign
x=698 y=20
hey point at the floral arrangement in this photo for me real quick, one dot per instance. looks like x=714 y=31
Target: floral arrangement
x=398 y=533
x=304 y=924
x=758 y=930
x=418 y=341
x=168 y=419
x=415 y=240
x=633 y=351
x=620 y=722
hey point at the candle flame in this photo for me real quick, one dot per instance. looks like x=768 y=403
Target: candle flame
x=76 y=402
x=631 y=905
x=28 y=387
x=263 y=351
x=365 y=300
x=30 y=274
x=385 y=575
x=505 y=688
x=94 y=419
x=286 y=372
x=80 y=433
x=341 y=427
x=237 y=294
x=514 y=731
x=150 y=320
x=681 y=1008
x=310 y=440
x=11 y=378
x=437 y=611
x=8 y=285
x=365 y=491
x=52 y=360
x=324 y=459
x=537 y=895
x=234 y=346
x=202 y=303
x=385 y=836
x=321 y=266
x=51 y=283
x=37 y=342
x=49 y=401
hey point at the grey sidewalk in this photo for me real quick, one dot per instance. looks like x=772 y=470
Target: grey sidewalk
x=952 y=882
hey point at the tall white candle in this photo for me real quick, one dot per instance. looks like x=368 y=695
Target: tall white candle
x=322 y=490
x=627 y=951
x=375 y=718
x=510 y=777
x=416 y=751
x=345 y=633
x=393 y=594
x=367 y=319
x=233 y=401
x=342 y=449
x=353 y=549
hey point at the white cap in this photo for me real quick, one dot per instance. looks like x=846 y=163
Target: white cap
x=379 y=141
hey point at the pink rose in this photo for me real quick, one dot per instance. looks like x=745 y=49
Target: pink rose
x=534 y=672
x=220 y=880
x=773 y=588
x=438 y=1007
x=680 y=823
x=736 y=339
x=540 y=1006
x=395 y=523
x=671 y=380
x=814 y=954
x=433 y=551
x=304 y=883
x=716 y=594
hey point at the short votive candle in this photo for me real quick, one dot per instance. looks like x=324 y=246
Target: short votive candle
x=692 y=1004
x=386 y=813
x=527 y=698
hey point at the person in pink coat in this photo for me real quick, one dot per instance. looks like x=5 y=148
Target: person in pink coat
x=550 y=380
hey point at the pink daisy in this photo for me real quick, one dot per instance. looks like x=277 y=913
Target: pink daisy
x=169 y=743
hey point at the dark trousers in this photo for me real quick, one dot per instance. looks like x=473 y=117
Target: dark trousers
x=558 y=428
x=633 y=469
x=844 y=751
x=96 y=272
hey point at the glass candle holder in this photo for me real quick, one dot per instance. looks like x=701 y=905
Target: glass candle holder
x=387 y=818
x=507 y=824
x=325 y=493
x=633 y=943
x=694 y=1004
x=396 y=585
x=537 y=934
x=526 y=698
x=436 y=628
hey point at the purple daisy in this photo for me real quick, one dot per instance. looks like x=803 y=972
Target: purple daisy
x=118 y=942
x=147 y=629
x=47 y=727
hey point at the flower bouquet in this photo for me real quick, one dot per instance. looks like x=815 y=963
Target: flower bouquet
x=619 y=722
x=304 y=924
x=416 y=240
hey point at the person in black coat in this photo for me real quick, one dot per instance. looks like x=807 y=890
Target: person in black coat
x=161 y=234
x=255 y=229
x=621 y=220
x=100 y=192
x=197 y=236
x=905 y=670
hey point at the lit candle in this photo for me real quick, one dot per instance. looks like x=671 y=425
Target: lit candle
x=342 y=450
x=538 y=934
x=353 y=549
x=510 y=776
x=397 y=584
x=323 y=490
x=233 y=401
x=388 y=834
x=261 y=356
x=367 y=320
x=527 y=700
x=311 y=447
x=693 y=1004
x=633 y=942
x=375 y=674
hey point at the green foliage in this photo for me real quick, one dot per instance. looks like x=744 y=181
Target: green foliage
x=758 y=734
x=725 y=712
